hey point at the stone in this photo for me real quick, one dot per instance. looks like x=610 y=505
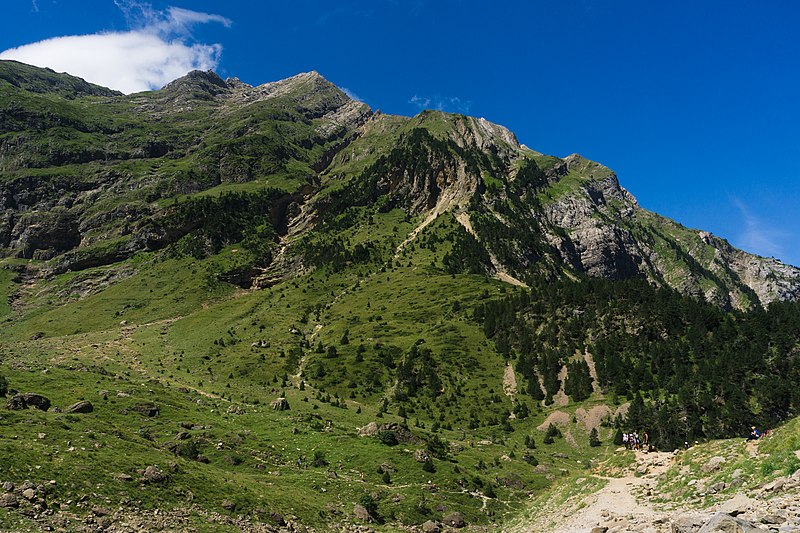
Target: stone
x=278 y=519
x=9 y=500
x=725 y=523
x=737 y=505
x=100 y=511
x=599 y=529
x=642 y=470
x=361 y=513
x=8 y=486
x=773 y=519
x=454 y=520
x=687 y=524
x=29 y=494
x=716 y=487
x=713 y=464
x=431 y=527
x=80 y=407
x=229 y=505
x=152 y=474
x=421 y=456
x=147 y=408
x=776 y=485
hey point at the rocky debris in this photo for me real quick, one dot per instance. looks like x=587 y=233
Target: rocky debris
x=29 y=494
x=599 y=529
x=147 y=408
x=279 y=404
x=235 y=410
x=713 y=464
x=454 y=520
x=80 y=407
x=421 y=456
x=28 y=399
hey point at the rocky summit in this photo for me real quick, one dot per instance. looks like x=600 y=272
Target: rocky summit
x=273 y=308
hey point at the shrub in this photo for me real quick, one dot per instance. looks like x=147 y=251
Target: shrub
x=594 y=438
x=3 y=385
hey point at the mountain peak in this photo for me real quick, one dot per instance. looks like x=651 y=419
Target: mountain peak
x=207 y=81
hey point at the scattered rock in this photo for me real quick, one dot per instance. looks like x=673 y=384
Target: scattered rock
x=229 y=505
x=599 y=529
x=431 y=527
x=9 y=500
x=713 y=464
x=8 y=486
x=124 y=477
x=454 y=520
x=279 y=404
x=642 y=469
x=278 y=519
x=29 y=494
x=80 y=407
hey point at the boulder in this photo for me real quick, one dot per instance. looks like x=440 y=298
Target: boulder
x=599 y=529
x=431 y=527
x=713 y=464
x=361 y=513
x=80 y=407
x=9 y=500
x=421 y=456
x=29 y=494
x=370 y=430
x=725 y=523
x=147 y=408
x=28 y=399
x=687 y=524
x=454 y=520
x=152 y=474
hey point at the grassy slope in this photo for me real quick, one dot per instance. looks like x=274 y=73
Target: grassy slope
x=187 y=346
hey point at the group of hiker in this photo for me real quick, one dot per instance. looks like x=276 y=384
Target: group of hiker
x=634 y=441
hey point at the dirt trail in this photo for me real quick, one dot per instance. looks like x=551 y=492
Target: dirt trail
x=617 y=504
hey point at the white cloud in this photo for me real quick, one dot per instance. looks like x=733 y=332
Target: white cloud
x=450 y=104
x=351 y=95
x=155 y=51
x=757 y=236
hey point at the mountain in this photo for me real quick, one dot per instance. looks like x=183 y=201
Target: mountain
x=273 y=307
x=82 y=176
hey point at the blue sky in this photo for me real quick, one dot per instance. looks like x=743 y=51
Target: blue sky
x=694 y=104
